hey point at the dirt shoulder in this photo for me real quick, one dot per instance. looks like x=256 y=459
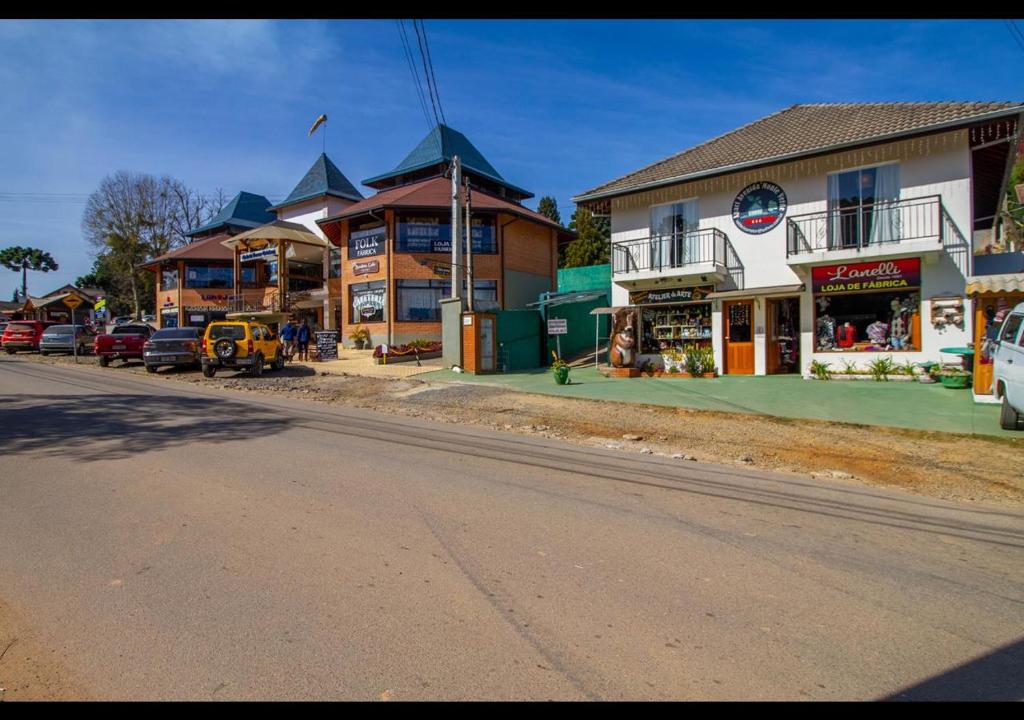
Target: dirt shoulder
x=941 y=465
x=28 y=669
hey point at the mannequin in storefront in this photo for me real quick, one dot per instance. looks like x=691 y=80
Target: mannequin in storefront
x=825 y=326
x=878 y=333
x=846 y=335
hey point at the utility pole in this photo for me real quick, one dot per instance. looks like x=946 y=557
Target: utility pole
x=457 y=229
x=469 y=250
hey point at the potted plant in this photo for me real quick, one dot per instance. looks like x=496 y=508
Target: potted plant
x=954 y=378
x=694 y=362
x=560 y=368
x=708 y=363
x=360 y=336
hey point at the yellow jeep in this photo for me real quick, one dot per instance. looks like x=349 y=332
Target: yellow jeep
x=240 y=345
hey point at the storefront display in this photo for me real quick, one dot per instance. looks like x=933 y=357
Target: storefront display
x=867 y=307
x=676 y=319
x=783 y=335
x=368 y=301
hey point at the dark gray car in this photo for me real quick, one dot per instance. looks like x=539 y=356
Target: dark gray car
x=178 y=347
x=60 y=338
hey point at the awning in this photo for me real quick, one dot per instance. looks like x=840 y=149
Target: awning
x=609 y=310
x=556 y=299
x=265 y=317
x=984 y=284
x=277 y=230
x=772 y=290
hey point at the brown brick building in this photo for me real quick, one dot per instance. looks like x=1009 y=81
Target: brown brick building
x=391 y=261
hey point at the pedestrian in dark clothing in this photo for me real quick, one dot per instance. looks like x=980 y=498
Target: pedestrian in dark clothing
x=302 y=338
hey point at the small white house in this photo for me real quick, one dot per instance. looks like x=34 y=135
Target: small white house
x=821 y=232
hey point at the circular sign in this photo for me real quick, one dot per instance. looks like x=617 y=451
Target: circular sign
x=759 y=207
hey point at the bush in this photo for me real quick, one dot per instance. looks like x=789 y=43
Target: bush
x=821 y=370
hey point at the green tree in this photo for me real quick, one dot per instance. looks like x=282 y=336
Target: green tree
x=592 y=245
x=1012 y=211
x=134 y=217
x=548 y=207
x=25 y=259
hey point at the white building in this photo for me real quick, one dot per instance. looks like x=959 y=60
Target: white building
x=821 y=232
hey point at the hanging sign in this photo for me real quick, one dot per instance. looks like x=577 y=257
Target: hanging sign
x=683 y=294
x=366 y=243
x=759 y=207
x=258 y=254
x=861 y=277
x=438 y=268
x=365 y=268
x=72 y=301
x=558 y=326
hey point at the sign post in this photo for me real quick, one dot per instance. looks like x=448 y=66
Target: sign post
x=73 y=301
x=558 y=327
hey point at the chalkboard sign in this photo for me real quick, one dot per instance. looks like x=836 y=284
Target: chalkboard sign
x=327 y=344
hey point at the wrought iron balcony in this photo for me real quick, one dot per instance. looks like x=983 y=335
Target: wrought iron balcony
x=867 y=227
x=659 y=253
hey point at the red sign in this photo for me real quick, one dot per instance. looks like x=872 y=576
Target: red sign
x=866 y=277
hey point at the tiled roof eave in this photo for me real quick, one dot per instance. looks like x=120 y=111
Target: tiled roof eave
x=725 y=169
x=306 y=198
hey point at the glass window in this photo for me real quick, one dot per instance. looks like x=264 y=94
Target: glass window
x=1010 y=328
x=335 y=266
x=176 y=334
x=433 y=234
x=208 y=276
x=670 y=225
x=852 y=197
x=248 y=276
x=169 y=279
x=420 y=300
x=367 y=301
x=233 y=332
x=866 y=322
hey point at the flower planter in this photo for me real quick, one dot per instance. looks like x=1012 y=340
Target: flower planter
x=709 y=374
x=955 y=382
x=561 y=375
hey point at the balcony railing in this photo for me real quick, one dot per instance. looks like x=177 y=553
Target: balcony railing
x=666 y=252
x=866 y=227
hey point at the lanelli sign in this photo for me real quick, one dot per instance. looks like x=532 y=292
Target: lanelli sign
x=865 y=277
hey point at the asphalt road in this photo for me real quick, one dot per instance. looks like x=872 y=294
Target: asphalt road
x=169 y=541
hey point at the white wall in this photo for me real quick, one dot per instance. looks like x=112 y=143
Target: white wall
x=939 y=165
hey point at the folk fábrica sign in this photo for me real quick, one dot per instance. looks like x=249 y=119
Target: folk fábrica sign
x=366 y=243
x=868 y=276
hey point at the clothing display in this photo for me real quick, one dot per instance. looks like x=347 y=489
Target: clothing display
x=878 y=332
x=826 y=332
x=846 y=335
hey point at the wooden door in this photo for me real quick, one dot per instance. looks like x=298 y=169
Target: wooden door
x=739 y=337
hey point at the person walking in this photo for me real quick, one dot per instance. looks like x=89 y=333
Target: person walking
x=302 y=337
x=288 y=333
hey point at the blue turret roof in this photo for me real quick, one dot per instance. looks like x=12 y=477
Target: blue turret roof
x=438 y=148
x=246 y=210
x=324 y=178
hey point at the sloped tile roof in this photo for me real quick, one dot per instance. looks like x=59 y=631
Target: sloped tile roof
x=439 y=147
x=799 y=130
x=245 y=210
x=323 y=178
x=436 y=193
x=206 y=249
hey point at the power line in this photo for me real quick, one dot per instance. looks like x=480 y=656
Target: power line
x=415 y=75
x=1015 y=32
x=433 y=76
x=434 y=99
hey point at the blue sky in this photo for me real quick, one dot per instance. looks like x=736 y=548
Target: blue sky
x=556 y=106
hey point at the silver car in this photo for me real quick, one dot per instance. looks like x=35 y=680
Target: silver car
x=64 y=339
x=178 y=347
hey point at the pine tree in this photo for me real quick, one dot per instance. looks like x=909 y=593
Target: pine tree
x=548 y=207
x=592 y=245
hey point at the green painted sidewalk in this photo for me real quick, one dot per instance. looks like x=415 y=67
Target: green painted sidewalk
x=898 y=404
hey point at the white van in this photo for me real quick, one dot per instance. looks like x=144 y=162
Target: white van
x=1008 y=369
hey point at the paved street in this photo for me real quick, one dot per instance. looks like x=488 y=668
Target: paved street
x=173 y=541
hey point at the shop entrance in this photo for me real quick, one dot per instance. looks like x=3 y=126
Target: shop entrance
x=783 y=342
x=739 y=337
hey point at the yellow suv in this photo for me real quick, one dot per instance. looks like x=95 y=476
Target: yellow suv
x=240 y=345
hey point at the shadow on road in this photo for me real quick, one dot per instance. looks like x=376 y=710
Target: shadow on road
x=99 y=426
x=996 y=676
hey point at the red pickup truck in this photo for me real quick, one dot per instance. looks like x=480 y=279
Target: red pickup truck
x=124 y=342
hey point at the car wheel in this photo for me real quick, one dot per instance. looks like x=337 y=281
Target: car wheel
x=209 y=371
x=1008 y=417
x=10 y=351
x=257 y=366
x=104 y=361
x=44 y=354
x=278 y=363
x=151 y=368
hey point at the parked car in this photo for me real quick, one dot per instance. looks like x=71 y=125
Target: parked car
x=240 y=345
x=65 y=339
x=122 y=319
x=124 y=342
x=178 y=347
x=1008 y=369
x=148 y=318
x=23 y=335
